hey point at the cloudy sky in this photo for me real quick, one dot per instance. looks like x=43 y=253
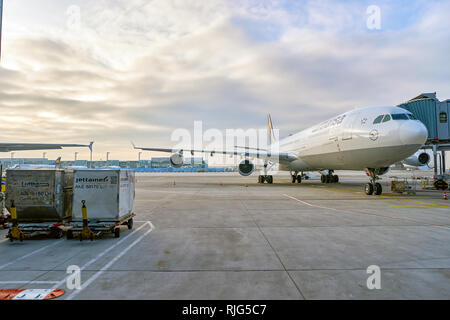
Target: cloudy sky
x=119 y=70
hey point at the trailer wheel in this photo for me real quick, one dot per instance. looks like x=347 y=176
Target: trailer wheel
x=117 y=233
x=57 y=233
x=69 y=234
x=130 y=224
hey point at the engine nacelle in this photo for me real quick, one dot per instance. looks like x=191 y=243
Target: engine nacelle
x=418 y=160
x=176 y=160
x=246 y=167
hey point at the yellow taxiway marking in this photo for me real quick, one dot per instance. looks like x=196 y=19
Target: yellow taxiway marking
x=411 y=206
x=420 y=202
x=393 y=197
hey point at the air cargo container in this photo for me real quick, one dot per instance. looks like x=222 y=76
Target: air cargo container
x=109 y=197
x=40 y=195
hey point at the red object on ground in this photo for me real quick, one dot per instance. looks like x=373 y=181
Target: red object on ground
x=30 y=294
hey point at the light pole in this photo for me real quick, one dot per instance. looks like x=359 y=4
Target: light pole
x=90 y=155
x=12 y=155
x=76 y=153
x=44 y=154
x=107 y=158
x=139 y=156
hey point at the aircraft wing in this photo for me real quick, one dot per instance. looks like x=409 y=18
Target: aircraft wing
x=7 y=147
x=266 y=155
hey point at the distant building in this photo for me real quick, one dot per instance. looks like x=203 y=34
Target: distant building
x=163 y=162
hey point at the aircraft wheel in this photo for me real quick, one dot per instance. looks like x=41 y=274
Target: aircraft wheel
x=335 y=179
x=294 y=178
x=130 y=224
x=57 y=233
x=328 y=178
x=378 y=189
x=269 y=179
x=299 y=179
x=323 y=178
x=260 y=179
x=368 y=188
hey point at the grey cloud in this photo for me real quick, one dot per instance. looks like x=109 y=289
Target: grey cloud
x=220 y=75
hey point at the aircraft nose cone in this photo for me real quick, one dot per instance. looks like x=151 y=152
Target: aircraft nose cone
x=413 y=132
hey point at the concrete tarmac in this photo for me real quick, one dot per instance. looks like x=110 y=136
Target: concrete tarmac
x=223 y=236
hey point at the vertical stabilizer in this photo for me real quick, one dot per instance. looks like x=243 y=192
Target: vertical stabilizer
x=270 y=134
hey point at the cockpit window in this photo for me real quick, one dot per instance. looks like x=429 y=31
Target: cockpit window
x=378 y=119
x=399 y=116
x=411 y=116
x=386 y=118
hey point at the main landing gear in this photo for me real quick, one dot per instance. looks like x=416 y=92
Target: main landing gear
x=373 y=187
x=296 y=177
x=329 y=178
x=265 y=178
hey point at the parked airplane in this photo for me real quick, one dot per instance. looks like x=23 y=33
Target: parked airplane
x=369 y=139
x=419 y=160
x=55 y=164
x=7 y=147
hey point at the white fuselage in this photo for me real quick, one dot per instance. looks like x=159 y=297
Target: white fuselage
x=352 y=141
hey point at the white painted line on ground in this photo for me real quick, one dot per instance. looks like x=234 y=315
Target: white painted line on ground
x=63 y=281
x=109 y=264
x=30 y=254
x=366 y=213
x=28 y=282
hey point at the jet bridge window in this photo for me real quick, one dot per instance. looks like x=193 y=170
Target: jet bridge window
x=378 y=119
x=443 y=117
x=386 y=118
x=399 y=116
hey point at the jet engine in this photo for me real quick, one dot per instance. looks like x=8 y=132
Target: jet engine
x=246 y=167
x=419 y=160
x=176 y=160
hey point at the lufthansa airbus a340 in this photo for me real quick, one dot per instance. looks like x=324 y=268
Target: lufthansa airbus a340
x=370 y=139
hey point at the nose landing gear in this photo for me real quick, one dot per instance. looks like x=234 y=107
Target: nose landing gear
x=373 y=187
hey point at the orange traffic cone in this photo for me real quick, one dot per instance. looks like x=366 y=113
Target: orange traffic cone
x=445 y=196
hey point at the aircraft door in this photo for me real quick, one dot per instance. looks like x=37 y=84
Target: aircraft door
x=348 y=126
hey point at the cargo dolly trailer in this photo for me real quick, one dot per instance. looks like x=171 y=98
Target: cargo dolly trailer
x=40 y=200
x=102 y=201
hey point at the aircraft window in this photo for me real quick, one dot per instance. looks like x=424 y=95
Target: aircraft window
x=443 y=117
x=399 y=116
x=411 y=116
x=386 y=118
x=378 y=119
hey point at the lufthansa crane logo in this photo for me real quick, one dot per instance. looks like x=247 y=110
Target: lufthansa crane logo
x=373 y=135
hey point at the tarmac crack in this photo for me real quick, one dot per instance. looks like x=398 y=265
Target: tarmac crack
x=275 y=252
